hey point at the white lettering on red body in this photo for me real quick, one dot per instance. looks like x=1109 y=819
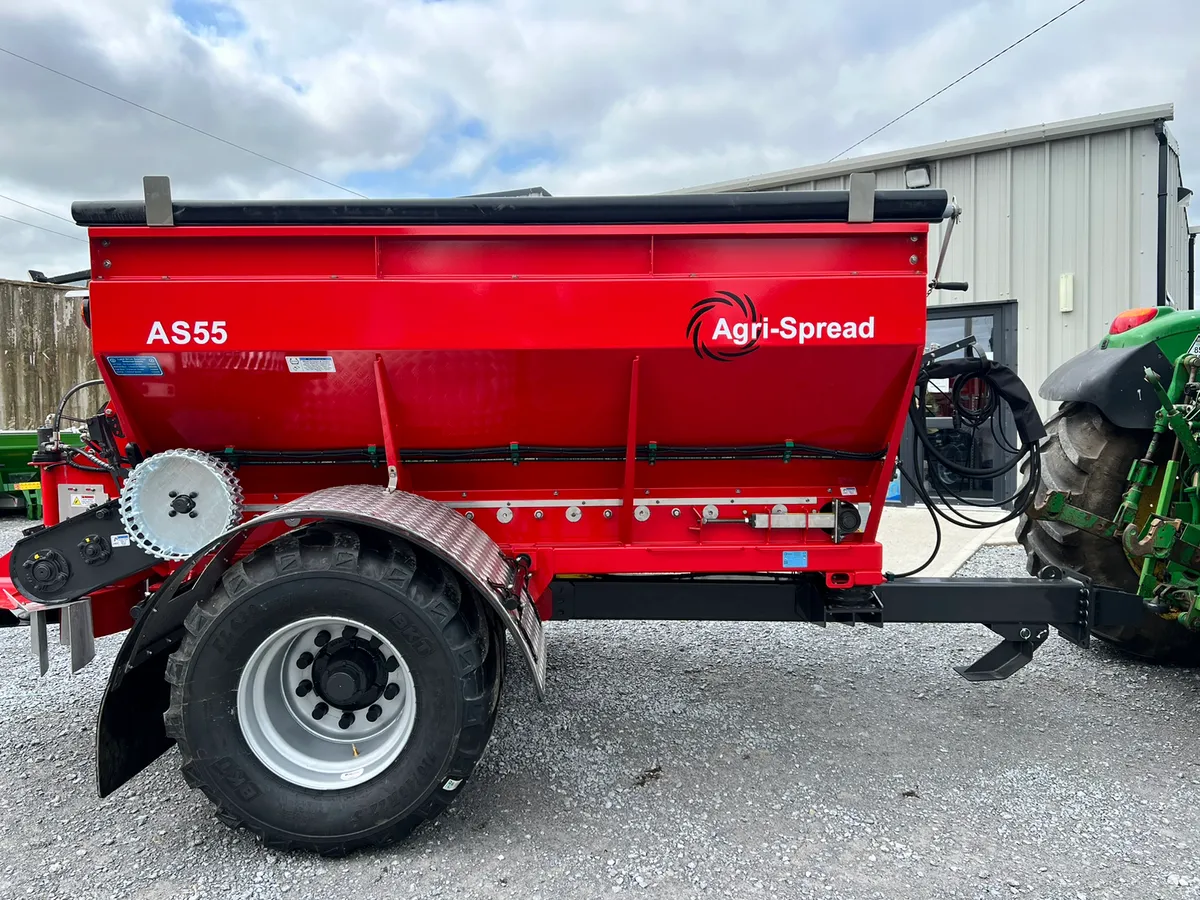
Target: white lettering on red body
x=789 y=329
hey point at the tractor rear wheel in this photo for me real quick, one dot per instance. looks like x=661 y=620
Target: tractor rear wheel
x=335 y=691
x=1090 y=457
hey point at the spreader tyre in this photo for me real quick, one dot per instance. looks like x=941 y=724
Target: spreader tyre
x=335 y=691
x=1087 y=455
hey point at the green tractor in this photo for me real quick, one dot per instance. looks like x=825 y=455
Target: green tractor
x=1119 y=499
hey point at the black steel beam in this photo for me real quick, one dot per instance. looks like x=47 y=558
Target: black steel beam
x=991 y=601
x=726 y=600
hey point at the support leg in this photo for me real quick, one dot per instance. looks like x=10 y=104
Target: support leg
x=1011 y=654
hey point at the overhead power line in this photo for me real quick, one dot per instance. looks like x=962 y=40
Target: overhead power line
x=41 y=228
x=962 y=77
x=172 y=119
x=44 y=212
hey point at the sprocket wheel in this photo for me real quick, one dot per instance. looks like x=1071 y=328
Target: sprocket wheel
x=178 y=501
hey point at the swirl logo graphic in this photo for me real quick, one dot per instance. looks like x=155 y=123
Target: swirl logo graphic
x=728 y=317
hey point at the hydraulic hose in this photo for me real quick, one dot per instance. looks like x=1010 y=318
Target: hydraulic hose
x=1003 y=393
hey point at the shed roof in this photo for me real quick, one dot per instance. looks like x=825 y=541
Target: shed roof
x=999 y=140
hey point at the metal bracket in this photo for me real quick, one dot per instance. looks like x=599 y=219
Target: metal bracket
x=515 y=590
x=387 y=406
x=945 y=349
x=862 y=197
x=75 y=630
x=1011 y=654
x=1057 y=507
x=159 y=208
x=38 y=642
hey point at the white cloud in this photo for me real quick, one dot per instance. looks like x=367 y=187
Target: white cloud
x=619 y=96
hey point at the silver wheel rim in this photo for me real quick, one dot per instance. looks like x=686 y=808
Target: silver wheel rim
x=285 y=682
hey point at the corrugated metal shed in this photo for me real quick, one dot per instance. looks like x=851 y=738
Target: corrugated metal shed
x=1078 y=198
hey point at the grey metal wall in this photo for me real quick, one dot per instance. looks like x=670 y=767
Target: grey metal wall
x=1084 y=206
x=44 y=349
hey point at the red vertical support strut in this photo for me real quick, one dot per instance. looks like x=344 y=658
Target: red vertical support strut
x=50 y=478
x=387 y=413
x=630 y=457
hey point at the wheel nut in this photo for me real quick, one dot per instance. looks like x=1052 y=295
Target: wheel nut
x=322 y=638
x=303 y=688
x=392 y=664
x=374 y=713
x=319 y=711
x=391 y=691
x=346 y=721
x=349 y=631
x=305 y=660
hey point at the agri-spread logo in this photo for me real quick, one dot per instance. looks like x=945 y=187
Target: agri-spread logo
x=727 y=326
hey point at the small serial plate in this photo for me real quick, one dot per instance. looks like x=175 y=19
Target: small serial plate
x=795 y=559
x=135 y=365
x=310 y=364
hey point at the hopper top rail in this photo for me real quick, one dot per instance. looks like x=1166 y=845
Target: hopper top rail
x=832 y=206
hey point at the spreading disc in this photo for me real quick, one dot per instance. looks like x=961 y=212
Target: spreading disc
x=177 y=501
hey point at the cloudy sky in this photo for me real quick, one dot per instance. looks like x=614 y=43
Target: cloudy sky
x=409 y=98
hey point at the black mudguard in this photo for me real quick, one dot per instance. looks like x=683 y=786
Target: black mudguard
x=1112 y=379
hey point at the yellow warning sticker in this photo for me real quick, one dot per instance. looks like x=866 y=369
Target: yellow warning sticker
x=27 y=486
x=83 y=500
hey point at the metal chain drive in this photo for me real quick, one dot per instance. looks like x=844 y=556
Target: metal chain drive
x=177 y=501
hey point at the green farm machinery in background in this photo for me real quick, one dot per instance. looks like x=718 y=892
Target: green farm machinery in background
x=20 y=487
x=1119 y=498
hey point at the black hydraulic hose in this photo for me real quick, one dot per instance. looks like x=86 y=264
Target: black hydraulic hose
x=62 y=406
x=1003 y=390
x=937 y=530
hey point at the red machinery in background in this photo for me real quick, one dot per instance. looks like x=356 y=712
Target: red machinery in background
x=350 y=446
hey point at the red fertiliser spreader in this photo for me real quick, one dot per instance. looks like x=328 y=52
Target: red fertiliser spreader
x=354 y=454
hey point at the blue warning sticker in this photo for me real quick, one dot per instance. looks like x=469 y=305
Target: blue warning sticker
x=134 y=365
x=795 y=559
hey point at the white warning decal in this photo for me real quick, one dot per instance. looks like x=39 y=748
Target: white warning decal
x=310 y=364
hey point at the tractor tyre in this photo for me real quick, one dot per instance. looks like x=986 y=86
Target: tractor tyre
x=1090 y=457
x=335 y=691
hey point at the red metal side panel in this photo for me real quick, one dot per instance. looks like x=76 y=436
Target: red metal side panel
x=744 y=335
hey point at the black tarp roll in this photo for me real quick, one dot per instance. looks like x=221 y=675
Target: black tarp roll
x=671 y=209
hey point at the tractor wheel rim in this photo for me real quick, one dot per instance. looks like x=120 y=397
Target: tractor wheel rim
x=357 y=675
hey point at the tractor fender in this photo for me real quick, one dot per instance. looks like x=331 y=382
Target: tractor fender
x=130 y=733
x=1112 y=379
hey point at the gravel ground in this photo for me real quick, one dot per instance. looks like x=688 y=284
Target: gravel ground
x=686 y=760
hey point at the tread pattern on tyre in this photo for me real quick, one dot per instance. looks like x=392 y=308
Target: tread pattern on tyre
x=1089 y=457
x=427 y=581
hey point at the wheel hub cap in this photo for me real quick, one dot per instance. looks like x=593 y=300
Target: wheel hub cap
x=322 y=712
x=349 y=673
